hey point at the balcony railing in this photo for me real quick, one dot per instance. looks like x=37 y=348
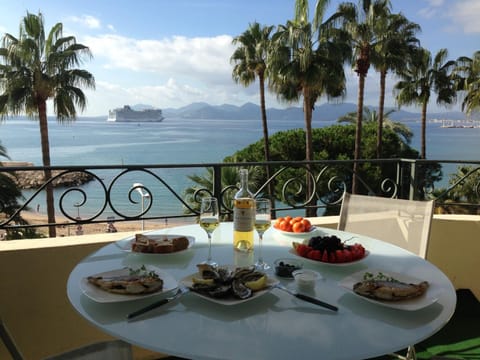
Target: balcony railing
x=162 y=192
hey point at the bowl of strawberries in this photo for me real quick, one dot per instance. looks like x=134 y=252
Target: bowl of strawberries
x=329 y=249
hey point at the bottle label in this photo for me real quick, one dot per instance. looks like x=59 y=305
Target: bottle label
x=244 y=214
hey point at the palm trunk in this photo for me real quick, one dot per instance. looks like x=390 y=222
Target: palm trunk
x=42 y=114
x=266 y=141
x=381 y=106
x=307 y=109
x=423 y=153
x=358 y=132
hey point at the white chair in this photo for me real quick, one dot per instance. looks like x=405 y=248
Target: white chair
x=104 y=350
x=405 y=223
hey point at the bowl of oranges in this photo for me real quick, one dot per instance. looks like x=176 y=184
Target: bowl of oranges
x=294 y=226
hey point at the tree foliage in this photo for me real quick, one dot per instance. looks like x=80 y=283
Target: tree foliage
x=336 y=142
x=35 y=68
x=10 y=194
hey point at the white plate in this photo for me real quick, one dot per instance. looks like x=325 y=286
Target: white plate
x=126 y=244
x=312 y=231
x=271 y=282
x=317 y=262
x=430 y=296
x=97 y=294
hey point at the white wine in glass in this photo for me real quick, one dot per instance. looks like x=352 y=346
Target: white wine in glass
x=209 y=221
x=263 y=220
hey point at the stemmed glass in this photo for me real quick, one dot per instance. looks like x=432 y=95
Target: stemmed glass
x=209 y=221
x=262 y=223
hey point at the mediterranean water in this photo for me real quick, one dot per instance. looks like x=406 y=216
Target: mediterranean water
x=94 y=141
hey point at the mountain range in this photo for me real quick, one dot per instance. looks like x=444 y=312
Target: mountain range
x=324 y=112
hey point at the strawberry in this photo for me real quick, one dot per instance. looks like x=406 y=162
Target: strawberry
x=347 y=255
x=339 y=256
x=332 y=258
x=358 y=251
x=303 y=250
x=325 y=256
x=317 y=255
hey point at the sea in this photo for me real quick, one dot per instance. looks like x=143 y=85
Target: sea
x=94 y=141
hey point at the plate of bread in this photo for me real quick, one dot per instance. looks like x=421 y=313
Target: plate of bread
x=155 y=243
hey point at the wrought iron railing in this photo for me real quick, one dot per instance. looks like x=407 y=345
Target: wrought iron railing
x=156 y=192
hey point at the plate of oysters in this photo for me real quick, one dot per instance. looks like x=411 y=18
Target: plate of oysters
x=228 y=285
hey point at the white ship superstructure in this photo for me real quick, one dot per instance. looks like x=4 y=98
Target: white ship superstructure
x=127 y=114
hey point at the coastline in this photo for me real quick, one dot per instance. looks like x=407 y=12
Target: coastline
x=33 y=217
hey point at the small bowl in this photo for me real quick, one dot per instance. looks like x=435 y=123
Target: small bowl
x=286 y=266
x=306 y=279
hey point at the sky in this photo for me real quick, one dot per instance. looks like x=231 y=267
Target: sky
x=171 y=53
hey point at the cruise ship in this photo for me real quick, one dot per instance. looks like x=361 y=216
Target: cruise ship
x=127 y=114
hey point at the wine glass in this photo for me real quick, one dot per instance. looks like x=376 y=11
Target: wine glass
x=262 y=223
x=209 y=221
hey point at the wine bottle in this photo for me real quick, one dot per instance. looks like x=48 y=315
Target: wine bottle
x=243 y=215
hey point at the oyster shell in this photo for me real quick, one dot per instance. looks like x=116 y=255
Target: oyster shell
x=240 y=290
x=220 y=291
x=226 y=282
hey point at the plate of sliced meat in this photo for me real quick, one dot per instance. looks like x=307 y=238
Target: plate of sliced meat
x=127 y=284
x=390 y=289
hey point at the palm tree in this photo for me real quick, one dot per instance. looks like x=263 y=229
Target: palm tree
x=307 y=62
x=468 y=70
x=463 y=188
x=373 y=116
x=9 y=206
x=35 y=69
x=422 y=77
x=363 y=23
x=230 y=178
x=395 y=42
x=250 y=59
x=9 y=191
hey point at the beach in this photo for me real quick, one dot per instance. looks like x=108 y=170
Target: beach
x=120 y=226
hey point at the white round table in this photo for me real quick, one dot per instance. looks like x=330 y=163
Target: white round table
x=275 y=325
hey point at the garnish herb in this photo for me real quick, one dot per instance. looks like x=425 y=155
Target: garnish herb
x=142 y=271
x=379 y=276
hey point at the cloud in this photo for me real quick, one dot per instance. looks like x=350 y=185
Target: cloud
x=432 y=9
x=466 y=13
x=203 y=59
x=87 y=21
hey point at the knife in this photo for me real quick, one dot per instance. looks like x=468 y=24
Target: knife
x=158 y=303
x=307 y=298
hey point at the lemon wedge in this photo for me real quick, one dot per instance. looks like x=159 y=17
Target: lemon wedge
x=258 y=284
x=202 y=281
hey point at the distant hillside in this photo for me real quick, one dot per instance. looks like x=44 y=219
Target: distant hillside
x=324 y=112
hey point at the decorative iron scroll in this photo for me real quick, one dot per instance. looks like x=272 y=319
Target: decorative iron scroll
x=297 y=185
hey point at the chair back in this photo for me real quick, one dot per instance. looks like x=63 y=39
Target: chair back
x=405 y=223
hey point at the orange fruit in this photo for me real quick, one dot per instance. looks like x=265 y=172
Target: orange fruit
x=307 y=224
x=277 y=222
x=298 y=227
